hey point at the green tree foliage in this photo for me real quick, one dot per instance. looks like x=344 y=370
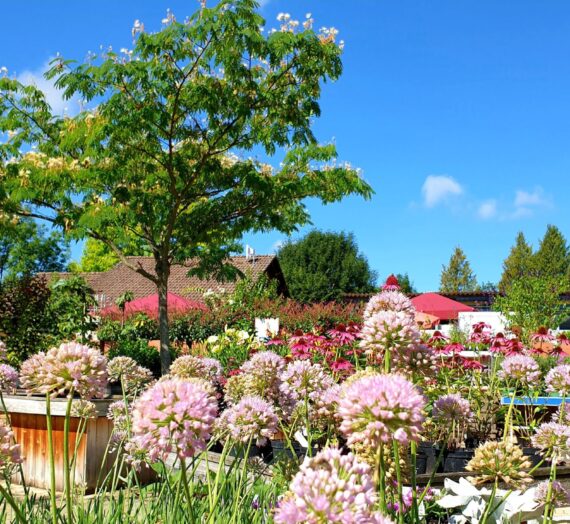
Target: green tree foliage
x=98 y=256
x=164 y=155
x=518 y=265
x=322 y=266
x=27 y=248
x=552 y=259
x=406 y=284
x=457 y=276
x=531 y=303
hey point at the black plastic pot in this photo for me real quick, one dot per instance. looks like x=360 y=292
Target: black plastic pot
x=426 y=457
x=457 y=460
x=533 y=455
x=281 y=450
x=240 y=451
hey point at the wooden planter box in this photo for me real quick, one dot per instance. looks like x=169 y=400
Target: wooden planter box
x=28 y=421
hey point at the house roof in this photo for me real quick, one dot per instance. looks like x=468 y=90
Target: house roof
x=440 y=306
x=111 y=284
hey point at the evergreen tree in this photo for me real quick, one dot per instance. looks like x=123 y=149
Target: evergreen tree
x=518 y=264
x=457 y=275
x=323 y=266
x=552 y=260
x=406 y=284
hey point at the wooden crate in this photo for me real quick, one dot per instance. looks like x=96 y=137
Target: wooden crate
x=28 y=421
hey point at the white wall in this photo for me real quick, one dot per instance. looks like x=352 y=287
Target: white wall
x=496 y=320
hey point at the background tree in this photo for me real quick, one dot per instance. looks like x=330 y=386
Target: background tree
x=457 y=276
x=552 y=259
x=165 y=157
x=27 y=248
x=406 y=284
x=519 y=264
x=98 y=256
x=322 y=266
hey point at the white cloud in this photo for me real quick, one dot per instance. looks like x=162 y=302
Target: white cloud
x=53 y=95
x=277 y=245
x=487 y=209
x=439 y=188
x=526 y=202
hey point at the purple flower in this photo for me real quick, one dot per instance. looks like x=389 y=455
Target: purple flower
x=389 y=301
x=520 y=368
x=173 y=415
x=558 y=380
x=189 y=366
x=8 y=378
x=303 y=381
x=71 y=367
x=452 y=408
x=262 y=375
x=559 y=494
x=9 y=451
x=552 y=438
x=330 y=487
x=251 y=418
x=376 y=409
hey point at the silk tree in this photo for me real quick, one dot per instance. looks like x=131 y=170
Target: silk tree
x=199 y=133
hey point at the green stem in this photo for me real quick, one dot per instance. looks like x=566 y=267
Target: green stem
x=548 y=508
x=66 y=465
x=399 y=480
x=490 y=504
x=379 y=480
x=415 y=511
x=509 y=415
x=15 y=507
x=185 y=485
x=237 y=495
x=53 y=502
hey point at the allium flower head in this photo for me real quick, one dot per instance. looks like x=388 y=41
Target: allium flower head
x=69 y=367
x=8 y=378
x=452 y=408
x=389 y=301
x=126 y=371
x=559 y=495
x=3 y=351
x=562 y=414
x=189 y=366
x=552 y=438
x=9 y=451
x=380 y=408
x=262 y=372
x=173 y=415
x=330 y=487
x=83 y=409
x=251 y=418
x=558 y=380
x=418 y=360
x=520 y=368
x=501 y=461
x=392 y=331
x=303 y=380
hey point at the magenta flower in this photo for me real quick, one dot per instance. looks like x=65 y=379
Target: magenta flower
x=174 y=415
x=453 y=348
x=521 y=369
x=343 y=335
x=9 y=451
x=514 y=346
x=71 y=367
x=437 y=339
x=251 y=418
x=8 y=378
x=452 y=408
x=542 y=336
x=379 y=408
x=330 y=487
x=341 y=365
x=389 y=301
x=303 y=381
x=558 y=380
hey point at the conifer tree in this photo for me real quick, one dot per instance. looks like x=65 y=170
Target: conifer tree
x=518 y=264
x=457 y=275
x=552 y=260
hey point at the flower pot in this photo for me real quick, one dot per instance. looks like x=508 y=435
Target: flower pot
x=240 y=451
x=457 y=460
x=281 y=451
x=532 y=454
x=426 y=456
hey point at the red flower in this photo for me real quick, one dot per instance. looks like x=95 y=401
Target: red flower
x=454 y=347
x=471 y=364
x=341 y=364
x=437 y=338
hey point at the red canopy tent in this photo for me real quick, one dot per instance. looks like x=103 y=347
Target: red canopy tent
x=442 y=307
x=177 y=305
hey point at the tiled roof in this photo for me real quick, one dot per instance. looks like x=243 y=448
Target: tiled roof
x=111 y=284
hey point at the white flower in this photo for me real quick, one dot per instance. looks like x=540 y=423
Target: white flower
x=212 y=339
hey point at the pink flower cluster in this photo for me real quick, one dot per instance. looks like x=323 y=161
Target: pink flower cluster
x=521 y=369
x=3 y=352
x=9 y=452
x=481 y=333
x=558 y=380
x=330 y=487
x=190 y=366
x=8 y=378
x=263 y=371
x=552 y=438
x=559 y=495
x=71 y=367
x=126 y=371
x=379 y=408
x=252 y=418
x=173 y=415
x=301 y=380
x=388 y=301
x=452 y=408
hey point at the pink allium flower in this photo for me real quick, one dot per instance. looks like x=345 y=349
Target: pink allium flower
x=301 y=380
x=190 y=366
x=552 y=438
x=69 y=367
x=330 y=487
x=558 y=380
x=9 y=451
x=251 y=418
x=559 y=494
x=8 y=378
x=389 y=301
x=520 y=368
x=376 y=409
x=3 y=351
x=263 y=372
x=118 y=413
x=83 y=409
x=418 y=359
x=126 y=371
x=562 y=414
x=388 y=331
x=173 y=415
x=452 y=408
x=326 y=406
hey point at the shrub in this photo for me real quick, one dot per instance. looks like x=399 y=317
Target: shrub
x=139 y=350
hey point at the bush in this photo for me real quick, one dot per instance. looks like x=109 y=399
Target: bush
x=140 y=351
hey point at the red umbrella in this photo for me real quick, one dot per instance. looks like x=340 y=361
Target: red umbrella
x=442 y=307
x=177 y=305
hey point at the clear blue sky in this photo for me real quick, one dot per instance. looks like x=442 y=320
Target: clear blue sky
x=458 y=114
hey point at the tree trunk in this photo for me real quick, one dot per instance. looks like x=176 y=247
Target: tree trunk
x=163 y=321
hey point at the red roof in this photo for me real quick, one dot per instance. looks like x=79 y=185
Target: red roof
x=149 y=305
x=442 y=307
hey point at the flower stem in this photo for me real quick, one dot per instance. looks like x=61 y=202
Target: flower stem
x=399 y=480
x=53 y=502
x=66 y=465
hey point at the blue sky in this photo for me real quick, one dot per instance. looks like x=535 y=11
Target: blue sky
x=458 y=114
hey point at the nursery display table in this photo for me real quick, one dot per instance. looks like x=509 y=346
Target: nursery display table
x=535 y=401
